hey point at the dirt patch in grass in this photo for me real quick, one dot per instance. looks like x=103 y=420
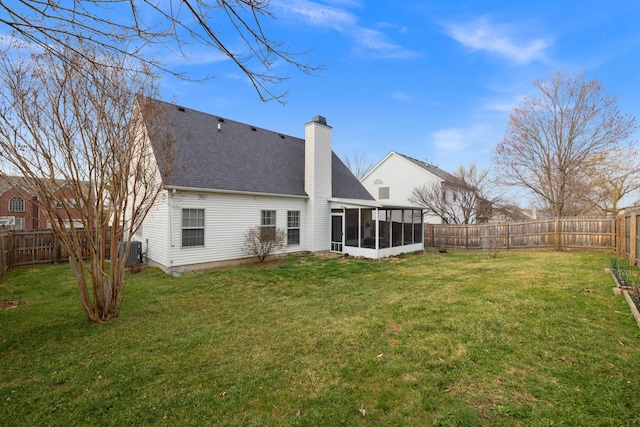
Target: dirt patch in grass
x=6 y=305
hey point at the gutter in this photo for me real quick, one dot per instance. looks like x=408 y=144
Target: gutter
x=243 y=193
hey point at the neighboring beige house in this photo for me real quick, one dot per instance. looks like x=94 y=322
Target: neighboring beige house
x=229 y=176
x=393 y=179
x=511 y=213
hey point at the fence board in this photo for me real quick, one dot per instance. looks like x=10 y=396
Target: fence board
x=24 y=248
x=596 y=233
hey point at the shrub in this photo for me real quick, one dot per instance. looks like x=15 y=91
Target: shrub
x=262 y=242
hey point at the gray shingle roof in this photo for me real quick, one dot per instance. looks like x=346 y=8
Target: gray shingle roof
x=221 y=154
x=444 y=175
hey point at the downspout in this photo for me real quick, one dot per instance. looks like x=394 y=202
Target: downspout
x=170 y=242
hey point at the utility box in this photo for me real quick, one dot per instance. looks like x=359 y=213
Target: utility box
x=135 y=252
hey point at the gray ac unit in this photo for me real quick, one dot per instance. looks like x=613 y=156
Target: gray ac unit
x=135 y=252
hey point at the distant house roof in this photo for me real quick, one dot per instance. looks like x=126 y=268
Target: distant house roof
x=445 y=176
x=24 y=185
x=221 y=154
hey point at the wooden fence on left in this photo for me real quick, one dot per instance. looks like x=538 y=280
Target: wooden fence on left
x=24 y=248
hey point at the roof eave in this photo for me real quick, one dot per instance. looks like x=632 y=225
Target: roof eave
x=237 y=192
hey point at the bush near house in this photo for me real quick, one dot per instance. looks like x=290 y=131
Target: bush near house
x=427 y=339
x=262 y=242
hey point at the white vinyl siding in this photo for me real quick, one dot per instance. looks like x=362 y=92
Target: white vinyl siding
x=399 y=176
x=317 y=184
x=154 y=233
x=227 y=219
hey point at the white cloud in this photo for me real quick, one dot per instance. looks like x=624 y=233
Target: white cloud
x=402 y=29
x=401 y=96
x=467 y=139
x=379 y=44
x=481 y=34
x=13 y=44
x=368 y=41
x=451 y=139
x=466 y=144
x=318 y=15
x=503 y=105
x=346 y=3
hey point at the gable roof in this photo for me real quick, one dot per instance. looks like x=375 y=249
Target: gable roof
x=220 y=154
x=444 y=175
x=432 y=169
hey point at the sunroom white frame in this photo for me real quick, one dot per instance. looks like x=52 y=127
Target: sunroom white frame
x=339 y=208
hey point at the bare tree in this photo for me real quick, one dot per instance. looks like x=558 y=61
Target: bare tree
x=613 y=176
x=432 y=197
x=135 y=28
x=263 y=242
x=465 y=198
x=550 y=139
x=68 y=128
x=358 y=165
x=472 y=191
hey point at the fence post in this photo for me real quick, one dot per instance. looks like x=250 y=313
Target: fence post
x=3 y=255
x=632 y=239
x=466 y=236
x=10 y=249
x=623 y=240
x=614 y=232
x=56 y=247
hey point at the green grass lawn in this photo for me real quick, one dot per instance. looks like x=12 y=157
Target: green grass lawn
x=456 y=339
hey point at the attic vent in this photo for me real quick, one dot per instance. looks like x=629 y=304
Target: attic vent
x=319 y=119
x=377 y=182
x=281 y=136
x=220 y=119
x=253 y=129
x=181 y=109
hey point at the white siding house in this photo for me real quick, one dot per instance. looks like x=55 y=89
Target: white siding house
x=228 y=177
x=392 y=180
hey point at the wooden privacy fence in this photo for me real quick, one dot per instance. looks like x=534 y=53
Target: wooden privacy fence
x=627 y=238
x=23 y=248
x=592 y=233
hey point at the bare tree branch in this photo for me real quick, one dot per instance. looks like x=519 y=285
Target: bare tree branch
x=466 y=198
x=358 y=165
x=612 y=176
x=134 y=27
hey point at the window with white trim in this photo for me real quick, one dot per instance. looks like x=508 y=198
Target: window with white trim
x=19 y=225
x=268 y=224
x=293 y=227
x=16 y=204
x=192 y=227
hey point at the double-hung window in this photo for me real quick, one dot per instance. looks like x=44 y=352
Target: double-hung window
x=192 y=227
x=293 y=227
x=268 y=224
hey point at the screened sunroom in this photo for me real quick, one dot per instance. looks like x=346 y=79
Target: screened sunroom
x=375 y=231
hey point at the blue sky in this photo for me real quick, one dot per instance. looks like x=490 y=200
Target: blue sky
x=434 y=80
